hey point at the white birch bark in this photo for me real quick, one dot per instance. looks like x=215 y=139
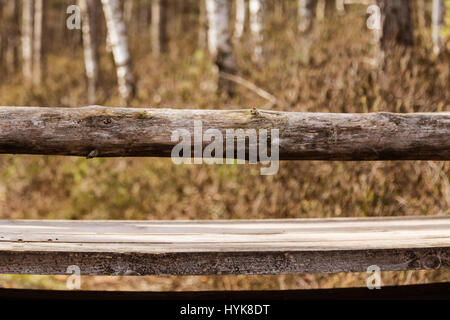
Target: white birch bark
x=219 y=41
x=119 y=46
x=306 y=14
x=159 y=26
x=27 y=39
x=256 y=8
x=241 y=16
x=212 y=26
x=90 y=46
x=374 y=24
x=340 y=7
x=438 y=20
x=38 y=39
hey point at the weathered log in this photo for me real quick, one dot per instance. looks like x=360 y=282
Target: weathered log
x=117 y=132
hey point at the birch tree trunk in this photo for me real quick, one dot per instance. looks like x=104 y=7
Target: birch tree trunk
x=38 y=40
x=159 y=27
x=438 y=21
x=396 y=22
x=241 y=16
x=256 y=27
x=306 y=15
x=119 y=46
x=27 y=39
x=340 y=6
x=89 y=12
x=219 y=42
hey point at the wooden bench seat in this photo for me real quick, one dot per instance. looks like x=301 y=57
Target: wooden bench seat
x=224 y=247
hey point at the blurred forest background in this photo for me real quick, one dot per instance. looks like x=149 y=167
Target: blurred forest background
x=278 y=54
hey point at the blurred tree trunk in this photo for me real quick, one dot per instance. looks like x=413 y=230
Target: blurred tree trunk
x=202 y=25
x=330 y=7
x=241 y=16
x=27 y=39
x=306 y=16
x=396 y=23
x=12 y=54
x=128 y=11
x=159 y=27
x=320 y=10
x=119 y=45
x=279 y=9
x=438 y=21
x=219 y=42
x=38 y=41
x=340 y=6
x=89 y=13
x=421 y=10
x=257 y=27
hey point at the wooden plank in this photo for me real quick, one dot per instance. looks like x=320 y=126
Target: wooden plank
x=114 y=132
x=224 y=246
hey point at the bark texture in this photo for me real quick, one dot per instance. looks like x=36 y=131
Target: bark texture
x=257 y=28
x=438 y=20
x=119 y=45
x=219 y=42
x=159 y=27
x=38 y=41
x=117 y=132
x=306 y=14
x=241 y=16
x=89 y=12
x=27 y=39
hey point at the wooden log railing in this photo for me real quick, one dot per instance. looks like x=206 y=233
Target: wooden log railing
x=224 y=247
x=117 y=132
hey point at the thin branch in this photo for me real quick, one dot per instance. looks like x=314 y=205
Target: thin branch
x=251 y=86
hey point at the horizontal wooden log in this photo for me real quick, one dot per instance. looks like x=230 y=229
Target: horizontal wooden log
x=119 y=132
x=224 y=247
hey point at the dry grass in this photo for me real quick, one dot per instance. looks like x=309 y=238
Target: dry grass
x=336 y=80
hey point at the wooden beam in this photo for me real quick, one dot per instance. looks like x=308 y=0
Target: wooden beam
x=224 y=247
x=119 y=132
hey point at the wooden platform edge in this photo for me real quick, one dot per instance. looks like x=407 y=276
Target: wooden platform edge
x=223 y=263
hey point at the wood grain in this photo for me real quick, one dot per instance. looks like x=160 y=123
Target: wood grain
x=224 y=247
x=124 y=132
